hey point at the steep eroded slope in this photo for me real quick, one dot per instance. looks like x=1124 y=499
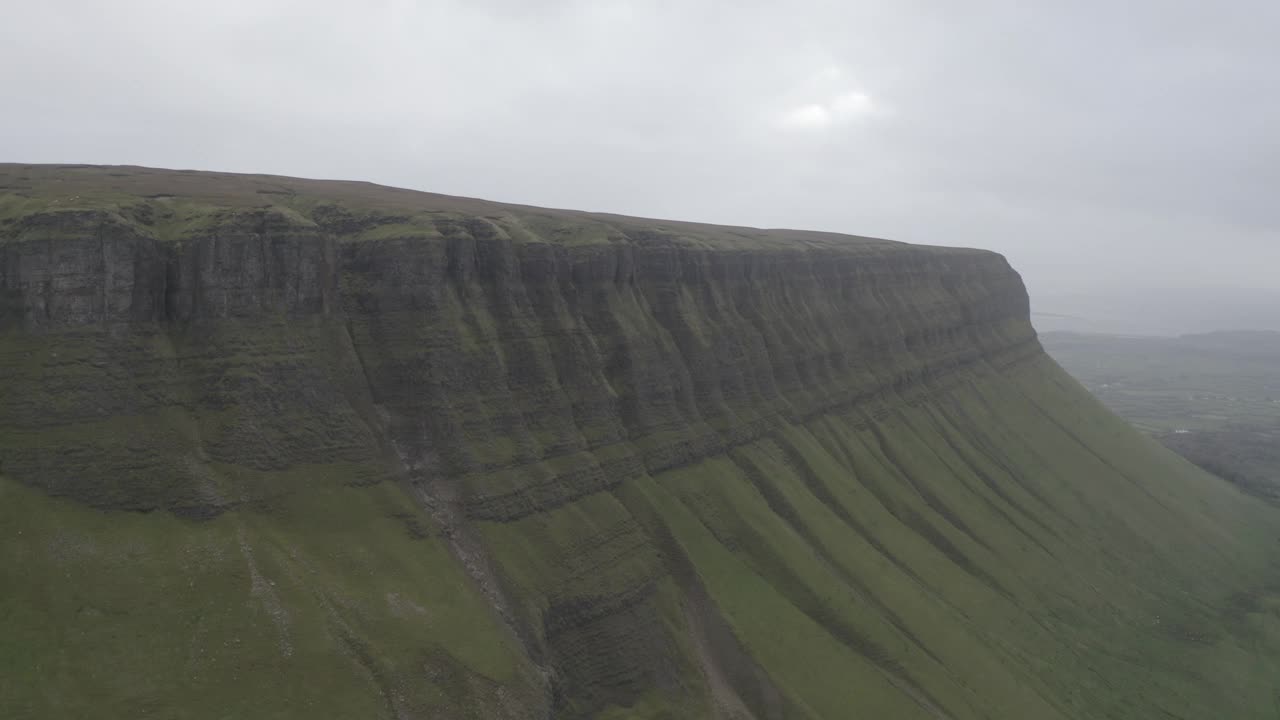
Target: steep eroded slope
x=290 y=448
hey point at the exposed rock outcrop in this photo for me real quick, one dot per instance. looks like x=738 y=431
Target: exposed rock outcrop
x=516 y=375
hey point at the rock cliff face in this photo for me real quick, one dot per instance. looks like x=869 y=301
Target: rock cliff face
x=475 y=460
x=516 y=376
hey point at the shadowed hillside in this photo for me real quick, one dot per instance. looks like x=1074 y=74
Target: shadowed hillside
x=289 y=448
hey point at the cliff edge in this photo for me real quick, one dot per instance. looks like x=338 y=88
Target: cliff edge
x=298 y=448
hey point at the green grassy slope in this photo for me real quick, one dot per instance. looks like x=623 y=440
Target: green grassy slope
x=317 y=473
x=330 y=605
x=967 y=557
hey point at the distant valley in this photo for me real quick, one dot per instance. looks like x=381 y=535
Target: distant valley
x=1213 y=398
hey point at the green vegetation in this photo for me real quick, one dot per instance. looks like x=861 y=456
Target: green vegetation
x=328 y=605
x=1212 y=398
x=967 y=555
x=172 y=205
x=323 y=449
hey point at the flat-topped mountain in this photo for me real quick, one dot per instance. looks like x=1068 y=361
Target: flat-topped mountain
x=273 y=447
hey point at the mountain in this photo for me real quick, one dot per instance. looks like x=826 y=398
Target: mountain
x=290 y=448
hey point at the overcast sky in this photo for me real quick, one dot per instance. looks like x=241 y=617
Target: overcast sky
x=1096 y=144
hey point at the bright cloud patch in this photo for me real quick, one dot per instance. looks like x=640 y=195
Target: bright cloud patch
x=852 y=104
x=806 y=117
x=837 y=104
x=838 y=110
